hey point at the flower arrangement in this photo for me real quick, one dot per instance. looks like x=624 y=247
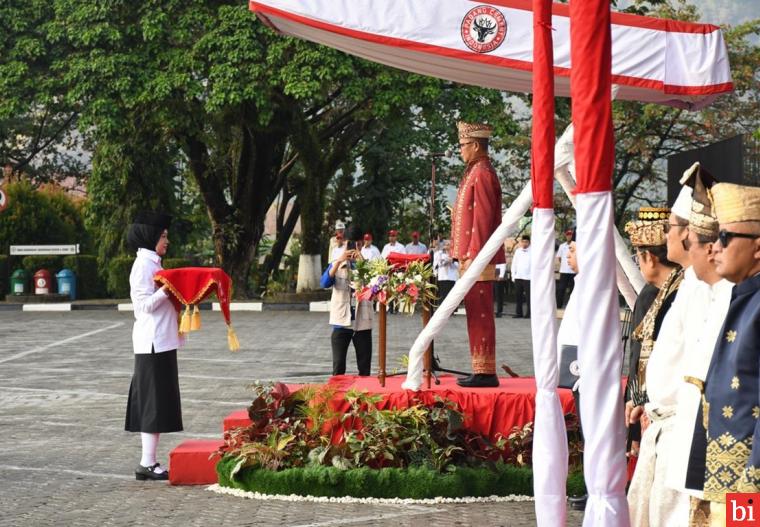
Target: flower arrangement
x=378 y=280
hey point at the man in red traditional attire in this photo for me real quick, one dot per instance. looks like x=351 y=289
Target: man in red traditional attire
x=476 y=215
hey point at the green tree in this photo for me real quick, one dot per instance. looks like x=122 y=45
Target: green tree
x=36 y=119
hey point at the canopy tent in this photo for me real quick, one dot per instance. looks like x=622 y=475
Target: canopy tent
x=674 y=63
x=662 y=61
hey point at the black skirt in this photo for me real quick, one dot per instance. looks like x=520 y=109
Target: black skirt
x=154 y=404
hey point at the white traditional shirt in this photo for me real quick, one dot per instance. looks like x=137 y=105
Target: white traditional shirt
x=444 y=266
x=393 y=248
x=156 y=326
x=701 y=331
x=416 y=248
x=562 y=252
x=666 y=364
x=370 y=253
x=521 y=264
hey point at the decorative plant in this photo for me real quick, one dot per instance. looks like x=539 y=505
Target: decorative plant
x=302 y=428
x=520 y=445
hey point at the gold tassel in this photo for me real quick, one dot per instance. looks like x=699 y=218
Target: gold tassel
x=184 y=325
x=232 y=340
x=195 y=323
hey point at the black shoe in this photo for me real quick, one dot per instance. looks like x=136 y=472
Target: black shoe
x=578 y=503
x=527 y=316
x=479 y=380
x=517 y=316
x=498 y=315
x=142 y=473
x=467 y=378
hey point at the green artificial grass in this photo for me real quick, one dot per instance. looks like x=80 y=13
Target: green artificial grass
x=413 y=482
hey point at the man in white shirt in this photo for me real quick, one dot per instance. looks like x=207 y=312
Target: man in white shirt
x=369 y=251
x=446 y=270
x=521 y=276
x=337 y=241
x=566 y=274
x=500 y=287
x=651 y=502
x=393 y=246
x=415 y=246
x=701 y=330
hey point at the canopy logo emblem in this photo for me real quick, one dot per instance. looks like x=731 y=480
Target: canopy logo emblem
x=484 y=28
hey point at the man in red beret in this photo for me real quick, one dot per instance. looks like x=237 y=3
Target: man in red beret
x=476 y=215
x=369 y=251
x=393 y=245
x=415 y=246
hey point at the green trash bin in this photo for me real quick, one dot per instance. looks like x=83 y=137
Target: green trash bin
x=19 y=282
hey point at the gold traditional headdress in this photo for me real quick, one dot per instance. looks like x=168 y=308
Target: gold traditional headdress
x=649 y=229
x=474 y=130
x=702 y=221
x=733 y=203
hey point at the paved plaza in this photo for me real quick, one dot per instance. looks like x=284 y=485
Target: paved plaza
x=66 y=460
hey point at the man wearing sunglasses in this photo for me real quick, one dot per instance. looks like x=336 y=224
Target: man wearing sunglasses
x=731 y=402
x=475 y=216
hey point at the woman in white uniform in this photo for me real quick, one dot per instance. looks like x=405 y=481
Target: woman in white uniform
x=153 y=407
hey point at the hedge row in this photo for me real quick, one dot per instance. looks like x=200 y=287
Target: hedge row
x=413 y=482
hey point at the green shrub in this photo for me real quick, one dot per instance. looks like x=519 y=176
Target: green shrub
x=39 y=217
x=35 y=262
x=174 y=263
x=5 y=275
x=85 y=267
x=118 y=276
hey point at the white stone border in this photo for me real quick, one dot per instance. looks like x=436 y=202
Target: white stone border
x=46 y=307
x=370 y=501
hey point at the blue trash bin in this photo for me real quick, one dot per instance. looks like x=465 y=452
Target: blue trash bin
x=67 y=283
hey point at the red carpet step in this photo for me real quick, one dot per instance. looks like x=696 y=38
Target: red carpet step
x=237 y=419
x=189 y=463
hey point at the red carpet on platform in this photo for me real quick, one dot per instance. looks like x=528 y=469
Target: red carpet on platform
x=489 y=411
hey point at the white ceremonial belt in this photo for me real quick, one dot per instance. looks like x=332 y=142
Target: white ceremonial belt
x=661 y=413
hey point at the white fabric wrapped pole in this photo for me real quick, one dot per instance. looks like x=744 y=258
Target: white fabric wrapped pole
x=549 y=434
x=600 y=357
x=508 y=226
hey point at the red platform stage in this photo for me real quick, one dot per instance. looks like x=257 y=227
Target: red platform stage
x=490 y=411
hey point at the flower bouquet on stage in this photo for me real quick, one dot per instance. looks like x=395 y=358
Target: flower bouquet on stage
x=404 y=282
x=191 y=285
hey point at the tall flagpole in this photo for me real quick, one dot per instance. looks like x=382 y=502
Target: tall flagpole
x=600 y=352
x=549 y=436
